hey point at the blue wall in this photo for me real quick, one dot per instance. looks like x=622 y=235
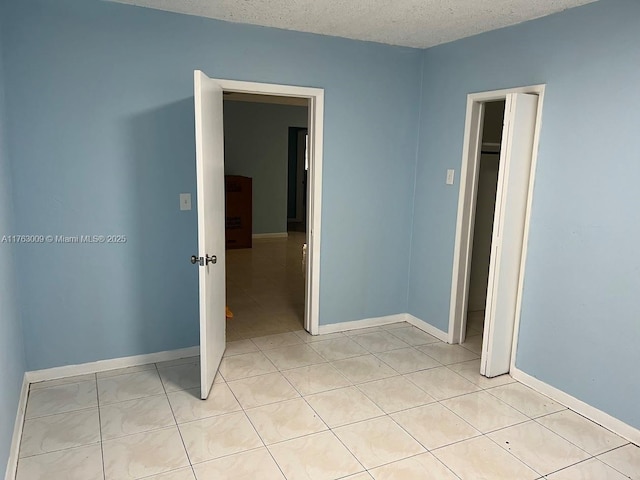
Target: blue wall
x=256 y=145
x=579 y=328
x=101 y=122
x=12 y=359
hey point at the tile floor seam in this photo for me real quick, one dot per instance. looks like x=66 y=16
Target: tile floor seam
x=122 y=373
x=120 y=402
x=611 y=466
x=255 y=430
x=104 y=468
x=395 y=411
x=299 y=437
x=495 y=386
x=244 y=410
x=37 y=389
x=524 y=413
x=275 y=462
x=226 y=455
x=82 y=409
x=500 y=401
x=177 y=427
x=428 y=452
x=564 y=438
x=447 y=398
x=409 y=433
x=588 y=420
x=473 y=426
x=544 y=475
x=504 y=428
x=58 y=450
x=364 y=469
x=568 y=466
x=153 y=475
x=414 y=371
x=356 y=421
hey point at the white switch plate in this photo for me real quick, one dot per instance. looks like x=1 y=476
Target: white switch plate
x=185 y=201
x=450 y=176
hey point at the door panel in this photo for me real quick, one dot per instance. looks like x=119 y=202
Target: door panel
x=508 y=232
x=211 y=218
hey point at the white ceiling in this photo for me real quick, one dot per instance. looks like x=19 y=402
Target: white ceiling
x=412 y=23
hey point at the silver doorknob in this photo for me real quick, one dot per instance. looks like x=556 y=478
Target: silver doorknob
x=202 y=261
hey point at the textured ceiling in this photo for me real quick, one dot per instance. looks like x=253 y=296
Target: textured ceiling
x=412 y=23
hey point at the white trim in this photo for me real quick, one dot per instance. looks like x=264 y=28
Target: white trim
x=12 y=462
x=111 y=364
x=427 y=327
x=315 y=129
x=461 y=263
x=314 y=205
x=465 y=217
x=262 y=236
x=364 y=323
x=386 y=320
x=592 y=413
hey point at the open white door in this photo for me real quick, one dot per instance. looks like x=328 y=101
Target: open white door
x=211 y=222
x=312 y=171
x=508 y=232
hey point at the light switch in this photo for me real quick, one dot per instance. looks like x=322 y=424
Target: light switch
x=450 y=176
x=185 y=201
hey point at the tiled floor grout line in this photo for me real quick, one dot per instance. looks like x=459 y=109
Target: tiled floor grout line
x=184 y=445
x=331 y=429
x=104 y=467
x=417 y=455
x=617 y=448
x=511 y=453
x=264 y=444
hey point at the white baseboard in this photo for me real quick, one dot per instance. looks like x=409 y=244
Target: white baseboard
x=364 y=323
x=386 y=320
x=258 y=236
x=12 y=462
x=111 y=364
x=592 y=413
x=427 y=327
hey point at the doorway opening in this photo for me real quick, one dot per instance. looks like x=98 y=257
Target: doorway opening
x=298 y=167
x=210 y=182
x=497 y=175
x=483 y=223
x=266 y=200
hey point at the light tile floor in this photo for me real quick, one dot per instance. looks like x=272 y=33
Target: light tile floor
x=265 y=287
x=384 y=403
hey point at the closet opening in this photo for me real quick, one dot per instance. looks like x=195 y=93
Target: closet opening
x=485 y=206
x=496 y=187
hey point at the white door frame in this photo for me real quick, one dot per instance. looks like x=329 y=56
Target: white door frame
x=466 y=208
x=314 y=181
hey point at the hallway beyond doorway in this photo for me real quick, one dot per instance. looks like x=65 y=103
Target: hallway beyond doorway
x=265 y=287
